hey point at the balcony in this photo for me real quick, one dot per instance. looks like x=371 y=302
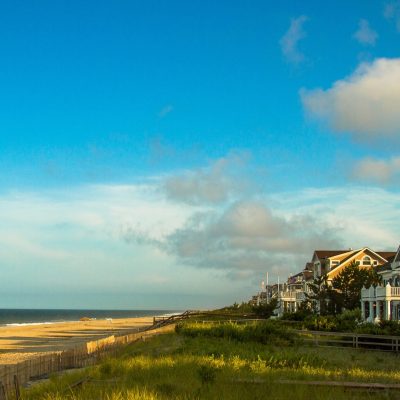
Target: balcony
x=292 y=295
x=380 y=293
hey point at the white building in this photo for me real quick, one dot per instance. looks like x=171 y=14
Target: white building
x=383 y=302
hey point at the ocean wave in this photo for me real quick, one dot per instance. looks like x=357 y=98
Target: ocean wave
x=29 y=323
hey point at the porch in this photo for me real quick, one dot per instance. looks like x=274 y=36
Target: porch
x=381 y=302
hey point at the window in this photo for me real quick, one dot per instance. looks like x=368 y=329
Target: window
x=366 y=260
x=335 y=263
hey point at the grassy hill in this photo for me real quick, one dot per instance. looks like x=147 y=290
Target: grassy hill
x=204 y=361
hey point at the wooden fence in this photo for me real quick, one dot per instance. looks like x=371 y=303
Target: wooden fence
x=90 y=353
x=333 y=339
x=355 y=340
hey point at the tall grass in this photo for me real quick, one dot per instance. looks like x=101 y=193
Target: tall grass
x=266 y=332
x=199 y=366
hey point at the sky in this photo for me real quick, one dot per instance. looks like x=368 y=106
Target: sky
x=168 y=154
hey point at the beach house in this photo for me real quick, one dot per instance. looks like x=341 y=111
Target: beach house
x=329 y=263
x=383 y=301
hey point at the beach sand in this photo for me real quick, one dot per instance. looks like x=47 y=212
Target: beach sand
x=18 y=343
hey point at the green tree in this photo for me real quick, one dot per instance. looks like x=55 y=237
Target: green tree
x=266 y=309
x=321 y=297
x=349 y=282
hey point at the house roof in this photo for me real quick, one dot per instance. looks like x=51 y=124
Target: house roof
x=349 y=255
x=292 y=279
x=384 y=267
x=309 y=267
x=329 y=253
x=387 y=255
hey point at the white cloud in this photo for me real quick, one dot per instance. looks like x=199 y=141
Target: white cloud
x=219 y=182
x=391 y=11
x=365 y=104
x=290 y=40
x=100 y=242
x=249 y=237
x=364 y=216
x=378 y=171
x=365 y=34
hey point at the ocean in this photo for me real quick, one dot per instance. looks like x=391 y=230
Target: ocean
x=29 y=317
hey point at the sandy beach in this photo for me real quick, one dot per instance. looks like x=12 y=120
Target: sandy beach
x=18 y=343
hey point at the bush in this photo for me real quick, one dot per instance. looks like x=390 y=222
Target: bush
x=384 y=327
x=299 y=315
x=347 y=321
x=321 y=323
x=390 y=327
x=268 y=332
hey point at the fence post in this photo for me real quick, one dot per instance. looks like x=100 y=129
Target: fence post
x=2 y=392
x=16 y=386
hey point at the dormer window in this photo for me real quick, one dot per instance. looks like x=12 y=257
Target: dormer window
x=366 y=260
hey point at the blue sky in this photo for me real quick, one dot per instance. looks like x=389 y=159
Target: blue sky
x=174 y=144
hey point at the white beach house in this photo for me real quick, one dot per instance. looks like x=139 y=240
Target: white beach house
x=383 y=302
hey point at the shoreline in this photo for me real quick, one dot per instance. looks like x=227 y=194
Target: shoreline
x=84 y=319
x=18 y=343
x=25 y=317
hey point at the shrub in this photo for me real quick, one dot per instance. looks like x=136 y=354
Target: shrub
x=348 y=320
x=389 y=327
x=299 y=315
x=268 y=332
x=321 y=323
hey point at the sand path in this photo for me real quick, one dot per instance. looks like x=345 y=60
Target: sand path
x=18 y=343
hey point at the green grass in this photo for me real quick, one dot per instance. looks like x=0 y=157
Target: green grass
x=202 y=366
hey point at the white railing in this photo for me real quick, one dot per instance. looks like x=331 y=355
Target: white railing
x=288 y=295
x=292 y=295
x=380 y=292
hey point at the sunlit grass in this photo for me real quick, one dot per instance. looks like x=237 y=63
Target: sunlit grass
x=172 y=366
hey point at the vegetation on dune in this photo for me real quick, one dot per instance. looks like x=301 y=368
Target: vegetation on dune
x=223 y=362
x=266 y=332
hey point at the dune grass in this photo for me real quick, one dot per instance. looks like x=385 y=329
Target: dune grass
x=201 y=363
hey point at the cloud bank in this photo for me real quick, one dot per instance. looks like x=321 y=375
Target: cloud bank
x=222 y=180
x=366 y=104
x=129 y=242
x=248 y=237
x=378 y=171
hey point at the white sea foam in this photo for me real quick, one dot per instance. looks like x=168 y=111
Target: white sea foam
x=30 y=323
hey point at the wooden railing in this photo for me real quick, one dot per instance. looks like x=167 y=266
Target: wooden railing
x=355 y=340
x=333 y=339
x=166 y=320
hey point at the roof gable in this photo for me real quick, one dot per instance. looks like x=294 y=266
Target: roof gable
x=397 y=255
x=366 y=251
x=322 y=254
